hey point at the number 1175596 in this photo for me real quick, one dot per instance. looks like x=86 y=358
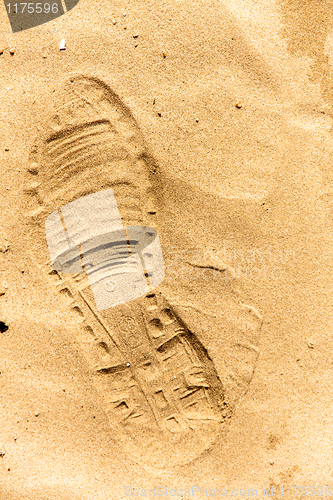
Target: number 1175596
x=32 y=8
x=311 y=491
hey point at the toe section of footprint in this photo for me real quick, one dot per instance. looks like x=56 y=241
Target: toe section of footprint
x=161 y=390
x=230 y=332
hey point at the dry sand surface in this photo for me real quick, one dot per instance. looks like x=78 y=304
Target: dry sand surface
x=215 y=117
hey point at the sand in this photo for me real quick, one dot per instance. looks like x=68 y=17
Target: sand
x=231 y=106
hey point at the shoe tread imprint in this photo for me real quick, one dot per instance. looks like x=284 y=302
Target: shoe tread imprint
x=169 y=374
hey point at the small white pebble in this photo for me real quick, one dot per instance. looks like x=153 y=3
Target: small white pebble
x=33 y=168
x=128 y=364
x=63 y=44
x=124 y=14
x=114 y=21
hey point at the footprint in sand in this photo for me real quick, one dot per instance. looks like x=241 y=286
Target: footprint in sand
x=167 y=392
